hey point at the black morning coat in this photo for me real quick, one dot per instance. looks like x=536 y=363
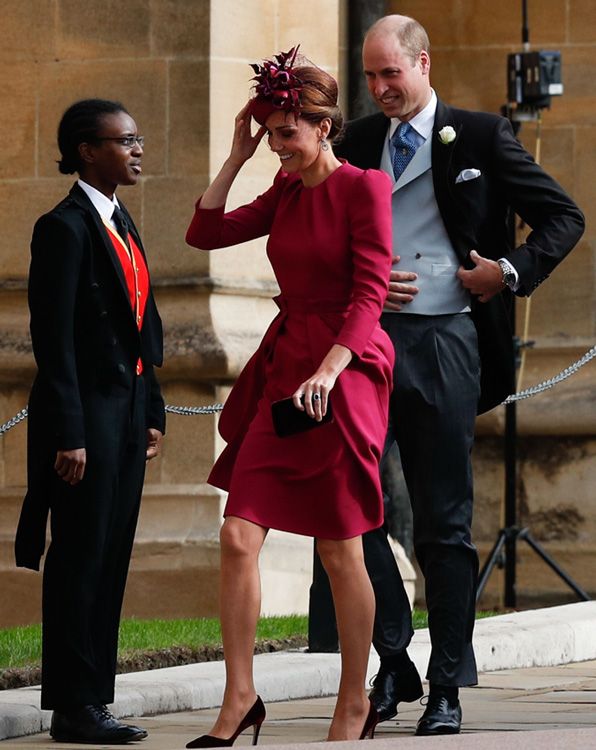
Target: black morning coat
x=86 y=343
x=475 y=214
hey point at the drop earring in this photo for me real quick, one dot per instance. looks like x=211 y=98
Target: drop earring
x=324 y=144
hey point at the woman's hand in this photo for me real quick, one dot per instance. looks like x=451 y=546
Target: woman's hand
x=244 y=143
x=313 y=394
x=70 y=465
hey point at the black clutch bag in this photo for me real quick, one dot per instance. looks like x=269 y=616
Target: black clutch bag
x=288 y=420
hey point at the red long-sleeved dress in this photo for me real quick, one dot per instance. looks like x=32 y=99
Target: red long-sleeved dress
x=330 y=248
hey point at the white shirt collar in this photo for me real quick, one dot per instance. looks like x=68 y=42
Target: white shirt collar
x=423 y=122
x=102 y=204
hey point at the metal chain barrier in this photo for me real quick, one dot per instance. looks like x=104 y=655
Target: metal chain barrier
x=185 y=411
x=550 y=382
x=15 y=420
x=191 y=411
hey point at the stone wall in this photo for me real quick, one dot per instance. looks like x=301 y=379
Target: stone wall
x=181 y=68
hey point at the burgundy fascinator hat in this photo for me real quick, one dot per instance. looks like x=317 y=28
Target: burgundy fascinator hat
x=277 y=88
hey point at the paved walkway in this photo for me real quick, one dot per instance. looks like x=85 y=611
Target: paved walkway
x=523 y=701
x=546 y=708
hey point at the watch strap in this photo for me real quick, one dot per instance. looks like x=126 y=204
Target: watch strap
x=509 y=278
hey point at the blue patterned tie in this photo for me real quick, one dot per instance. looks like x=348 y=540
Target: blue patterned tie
x=404 y=146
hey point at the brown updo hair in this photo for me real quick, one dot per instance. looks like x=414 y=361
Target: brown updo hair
x=318 y=98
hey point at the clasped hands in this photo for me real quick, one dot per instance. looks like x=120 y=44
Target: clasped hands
x=70 y=465
x=483 y=281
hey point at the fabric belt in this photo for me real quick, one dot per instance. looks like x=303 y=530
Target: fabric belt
x=311 y=305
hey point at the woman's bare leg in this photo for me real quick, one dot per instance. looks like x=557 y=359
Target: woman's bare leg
x=355 y=610
x=240 y=605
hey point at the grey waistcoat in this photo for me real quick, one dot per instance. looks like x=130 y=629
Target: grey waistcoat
x=420 y=239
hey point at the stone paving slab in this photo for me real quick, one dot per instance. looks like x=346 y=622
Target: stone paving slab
x=563 y=696
x=532 y=681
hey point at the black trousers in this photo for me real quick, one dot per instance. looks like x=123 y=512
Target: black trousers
x=432 y=415
x=92 y=532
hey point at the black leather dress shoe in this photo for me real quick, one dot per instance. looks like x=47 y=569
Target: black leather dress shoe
x=390 y=688
x=439 y=717
x=93 y=725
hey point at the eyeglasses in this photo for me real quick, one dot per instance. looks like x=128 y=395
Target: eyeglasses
x=128 y=141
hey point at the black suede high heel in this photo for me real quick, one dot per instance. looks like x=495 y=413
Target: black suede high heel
x=368 y=732
x=254 y=718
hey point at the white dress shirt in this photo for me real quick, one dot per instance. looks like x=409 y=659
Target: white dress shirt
x=102 y=204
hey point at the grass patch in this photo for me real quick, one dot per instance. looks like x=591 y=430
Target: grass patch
x=21 y=647
x=145 y=635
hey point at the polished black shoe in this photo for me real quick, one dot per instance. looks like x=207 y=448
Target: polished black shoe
x=439 y=717
x=390 y=688
x=93 y=725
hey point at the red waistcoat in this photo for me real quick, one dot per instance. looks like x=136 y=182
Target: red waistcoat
x=136 y=277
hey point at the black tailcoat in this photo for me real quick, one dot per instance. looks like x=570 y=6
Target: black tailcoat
x=475 y=215
x=85 y=341
x=86 y=394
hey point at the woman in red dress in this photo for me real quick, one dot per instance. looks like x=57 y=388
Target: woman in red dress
x=329 y=227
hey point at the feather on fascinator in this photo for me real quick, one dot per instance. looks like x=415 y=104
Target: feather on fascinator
x=277 y=88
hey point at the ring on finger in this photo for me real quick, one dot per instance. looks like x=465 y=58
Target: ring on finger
x=316 y=397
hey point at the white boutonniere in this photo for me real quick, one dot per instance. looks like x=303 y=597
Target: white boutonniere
x=447 y=134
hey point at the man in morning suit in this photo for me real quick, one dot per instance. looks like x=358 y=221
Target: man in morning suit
x=456 y=175
x=96 y=415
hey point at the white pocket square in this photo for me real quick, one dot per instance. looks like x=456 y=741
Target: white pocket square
x=467 y=174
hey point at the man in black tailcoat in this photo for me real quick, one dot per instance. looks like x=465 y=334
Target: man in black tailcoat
x=96 y=415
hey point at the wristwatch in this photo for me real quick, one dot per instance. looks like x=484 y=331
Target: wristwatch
x=509 y=278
